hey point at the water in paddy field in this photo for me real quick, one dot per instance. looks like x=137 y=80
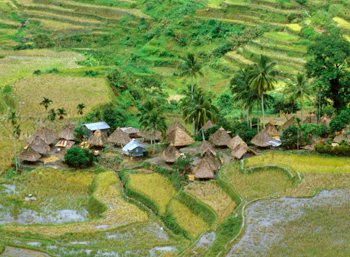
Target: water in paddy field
x=266 y=220
x=19 y=252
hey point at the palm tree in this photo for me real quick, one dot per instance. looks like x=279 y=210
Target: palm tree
x=16 y=131
x=46 y=102
x=151 y=119
x=80 y=108
x=300 y=90
x=51 y=115
x=199 y=109
x=262 y=78
x=61 y=112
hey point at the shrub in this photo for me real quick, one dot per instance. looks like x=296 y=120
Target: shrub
x=183 y=164
x=340 y=121
x=79 y=134
x=289 y=137
x=341 y=150
x=78 y=157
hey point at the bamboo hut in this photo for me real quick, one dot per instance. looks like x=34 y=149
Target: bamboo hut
x=179 y=137
x=240 y=150
x=234 y=142
x=148 y=135
x=341 y=136
x=288 y=123
x=204 y=171
x=170 y=154
x=206 y=147
x=310 y=119
x=98 y=139
x=67 y=133
x=213 y=162
x=119 y=137
x=220 y=138
x=208 y=125
x=39 y=146
x=271 y=129
x=175 y=125
x=261 y=138
x=47 y=135
x=324 y=120
x=29 y=155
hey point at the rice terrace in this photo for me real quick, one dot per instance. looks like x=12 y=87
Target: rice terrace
x=174 y=128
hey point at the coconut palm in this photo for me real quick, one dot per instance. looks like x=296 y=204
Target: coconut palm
x=199 y=109
x=51 y=115
x=46 y=102
x=190 y=68
x=61 y=112
x=262 y=77
x=80 y=108
x=299 y=90
x=12 y=118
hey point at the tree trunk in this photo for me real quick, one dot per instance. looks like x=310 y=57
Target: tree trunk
x=194 y=129
x=154 y=141
x=203 y=135
x=14 y=140
x=257 y=115
x=247 y=118
x=301 y=112
x=262 y=109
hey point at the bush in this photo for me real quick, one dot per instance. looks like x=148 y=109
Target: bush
x=78 y=157
x=183 y=164
x=289 y=137
x=340 y=121
x=341 y=150
x=78 y=134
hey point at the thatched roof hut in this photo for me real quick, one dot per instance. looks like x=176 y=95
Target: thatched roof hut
x=29 y=155
x=234 y=142
x=47 y=135
x=98 y=139
x=170 y=154
x=341 y=136
x=179 y=137
x=175 y=125
x=288 y=123
x=324 y=120
x=213 y=162
x=271 y=129
x=67 y=133
x=310 y=119
x=261 y=138
x=208 y=125
x=132 y=132
x=148 y=135
x=220 y=138
x=206 y=147
x=240 y=150
x=119 y=137
x=39 y=146
x=204 y=171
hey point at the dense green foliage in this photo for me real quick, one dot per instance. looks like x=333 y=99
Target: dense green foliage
x=78 y=157
x=339 y=150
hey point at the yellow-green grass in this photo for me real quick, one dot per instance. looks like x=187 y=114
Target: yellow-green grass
x=342 y=23
x=4 y=6
x=294 y=27
x=301 y=163
x=157 y=187
x=63 y=17
x=186 y=219
x=108 y=191
x=214 y=196
x=9 y=22
x=57 y=25
x=257 y=184
x=347 y=38
x=282 y=36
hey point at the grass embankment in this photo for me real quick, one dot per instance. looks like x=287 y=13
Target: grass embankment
x=300 y=162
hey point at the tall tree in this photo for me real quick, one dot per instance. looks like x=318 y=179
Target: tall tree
x=299 y=90
x=329 y=59
x=80 y=108
x=51 y=115
x=13 y=119
x=199 y=109
x=46 y=102
x=262 y=79
x=61 y=112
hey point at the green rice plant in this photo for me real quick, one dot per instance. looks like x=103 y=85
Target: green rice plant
x=156 y=187
x=282 y=36
x=300 y=162
x=342 y=23
x=259 y=183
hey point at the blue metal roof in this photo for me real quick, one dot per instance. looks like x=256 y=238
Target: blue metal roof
x=133 y=144
x=97 y=125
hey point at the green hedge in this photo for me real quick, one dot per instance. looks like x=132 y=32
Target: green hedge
x=197 y=207
x=228 y=189
x=339 y=150
x=94 y=206
x=171 y=222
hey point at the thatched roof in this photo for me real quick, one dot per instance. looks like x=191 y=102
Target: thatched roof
x=234 y=142
x=175 y=125
x=288 y=123
x=170 y=154
x=208 y=125
x=204 y=171
x=310 y=119
x=341 y=136
x=261 y=138
x=220 y=138
x=132 y=132
x=47 y=135
x=39 y=146
x=67 y=133
x=98 y=139
x=213 y=162
x=271 y=129
x=206 y=147
x=148 y=135
x=240 y=150
x=119 y=137
x=29 y=155
x=179 y=137
x=324 y=120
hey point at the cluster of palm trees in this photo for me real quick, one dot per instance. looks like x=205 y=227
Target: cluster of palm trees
x=60 y=112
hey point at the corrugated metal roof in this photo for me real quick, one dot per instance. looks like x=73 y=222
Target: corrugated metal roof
x=133 y=144
x=97 y=125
